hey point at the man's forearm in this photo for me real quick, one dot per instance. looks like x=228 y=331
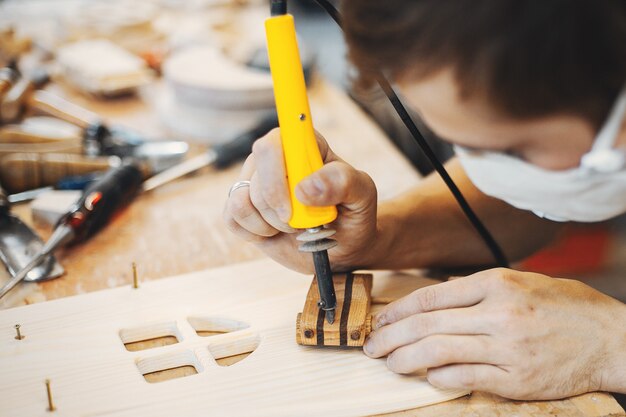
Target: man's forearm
x=425 y=227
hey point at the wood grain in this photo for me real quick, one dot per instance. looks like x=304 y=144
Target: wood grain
x=94 y=374
x=352 y=322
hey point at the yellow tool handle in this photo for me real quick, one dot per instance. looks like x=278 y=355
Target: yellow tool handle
x=302 y=155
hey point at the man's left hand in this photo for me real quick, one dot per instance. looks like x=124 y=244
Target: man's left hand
x=516 y=334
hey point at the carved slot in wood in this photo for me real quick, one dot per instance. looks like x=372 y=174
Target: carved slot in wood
x=170 y=366
x=150 y=336
x=230 y=351
x=213 y=326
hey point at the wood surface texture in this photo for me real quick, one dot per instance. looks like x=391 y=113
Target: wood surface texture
x=353 y=321
x=78 y=343
x=178 y=229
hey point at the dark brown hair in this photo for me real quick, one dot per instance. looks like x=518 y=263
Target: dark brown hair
x=529 y=58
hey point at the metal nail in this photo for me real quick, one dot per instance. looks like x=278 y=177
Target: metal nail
x=49 y=391
x=135 y=279
x=19 y=333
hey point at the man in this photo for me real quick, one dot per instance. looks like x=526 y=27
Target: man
x=532 y=96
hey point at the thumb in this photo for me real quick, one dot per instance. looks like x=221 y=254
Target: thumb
x=337 y=183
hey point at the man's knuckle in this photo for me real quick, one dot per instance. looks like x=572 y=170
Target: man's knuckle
x=240 y=207
x=427 y=298
x=273 y=197
x=263 y=145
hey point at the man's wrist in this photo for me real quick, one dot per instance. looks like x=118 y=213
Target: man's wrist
x=612 y=376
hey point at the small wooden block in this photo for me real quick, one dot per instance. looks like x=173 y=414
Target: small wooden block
x=353 y=321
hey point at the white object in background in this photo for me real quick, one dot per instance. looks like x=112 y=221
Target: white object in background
x=47 y=208
x=203 y=76
x=100 y=67
x=210 y=98
x=204 y=124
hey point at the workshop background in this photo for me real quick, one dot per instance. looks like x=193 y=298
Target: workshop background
x=108 y=51
x=158 y=30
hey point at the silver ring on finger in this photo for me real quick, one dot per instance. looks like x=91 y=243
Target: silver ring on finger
x=238 y=185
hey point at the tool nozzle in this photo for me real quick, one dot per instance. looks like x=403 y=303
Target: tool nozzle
x=317 y=241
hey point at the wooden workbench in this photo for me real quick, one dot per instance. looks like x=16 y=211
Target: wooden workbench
x=178 y=228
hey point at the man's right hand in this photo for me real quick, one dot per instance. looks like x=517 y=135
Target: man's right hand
x=260 y=213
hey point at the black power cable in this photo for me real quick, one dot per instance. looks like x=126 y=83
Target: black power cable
x=391 y=94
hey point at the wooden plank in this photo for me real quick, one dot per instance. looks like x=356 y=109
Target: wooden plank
x=353 y=320
x=79 y=344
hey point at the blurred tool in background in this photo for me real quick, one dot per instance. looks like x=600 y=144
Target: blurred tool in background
x=100 y=201
x=18 y=244
x=217 y=90
x=21 y=172
x=14 y=104
x=117 y=188
x=8 y=76
x=219 y=156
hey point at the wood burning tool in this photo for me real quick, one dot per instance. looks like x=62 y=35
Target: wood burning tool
x=302 y=155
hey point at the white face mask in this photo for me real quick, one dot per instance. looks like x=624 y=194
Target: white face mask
x=594 y=191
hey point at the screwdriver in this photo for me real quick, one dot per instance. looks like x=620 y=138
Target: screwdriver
x=88 y=215
x=219 y=156
x=302 y=155
x=118 y=186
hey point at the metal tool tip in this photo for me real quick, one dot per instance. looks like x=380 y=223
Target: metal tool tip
x=330 y=316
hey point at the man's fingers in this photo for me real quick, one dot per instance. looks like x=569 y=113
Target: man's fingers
x=268 y=213
x=461 y=321
x=240 y=207
x=338 y=183
x=240 y=232
x=272 y=174
x=461 y=292
x=440 y=350
x=474 y=377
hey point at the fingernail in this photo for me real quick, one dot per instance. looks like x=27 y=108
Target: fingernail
x=312 y=187
x=368 y=348
x=379 y=321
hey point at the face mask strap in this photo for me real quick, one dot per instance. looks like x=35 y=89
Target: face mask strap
x=610 y=130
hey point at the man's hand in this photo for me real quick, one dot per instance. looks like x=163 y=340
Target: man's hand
x=260 y=213
x=520 y=335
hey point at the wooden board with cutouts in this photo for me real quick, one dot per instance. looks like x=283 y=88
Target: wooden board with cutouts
x=230 y=335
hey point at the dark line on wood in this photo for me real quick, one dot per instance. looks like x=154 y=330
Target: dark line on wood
x=345 y=310
x=321 y=318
